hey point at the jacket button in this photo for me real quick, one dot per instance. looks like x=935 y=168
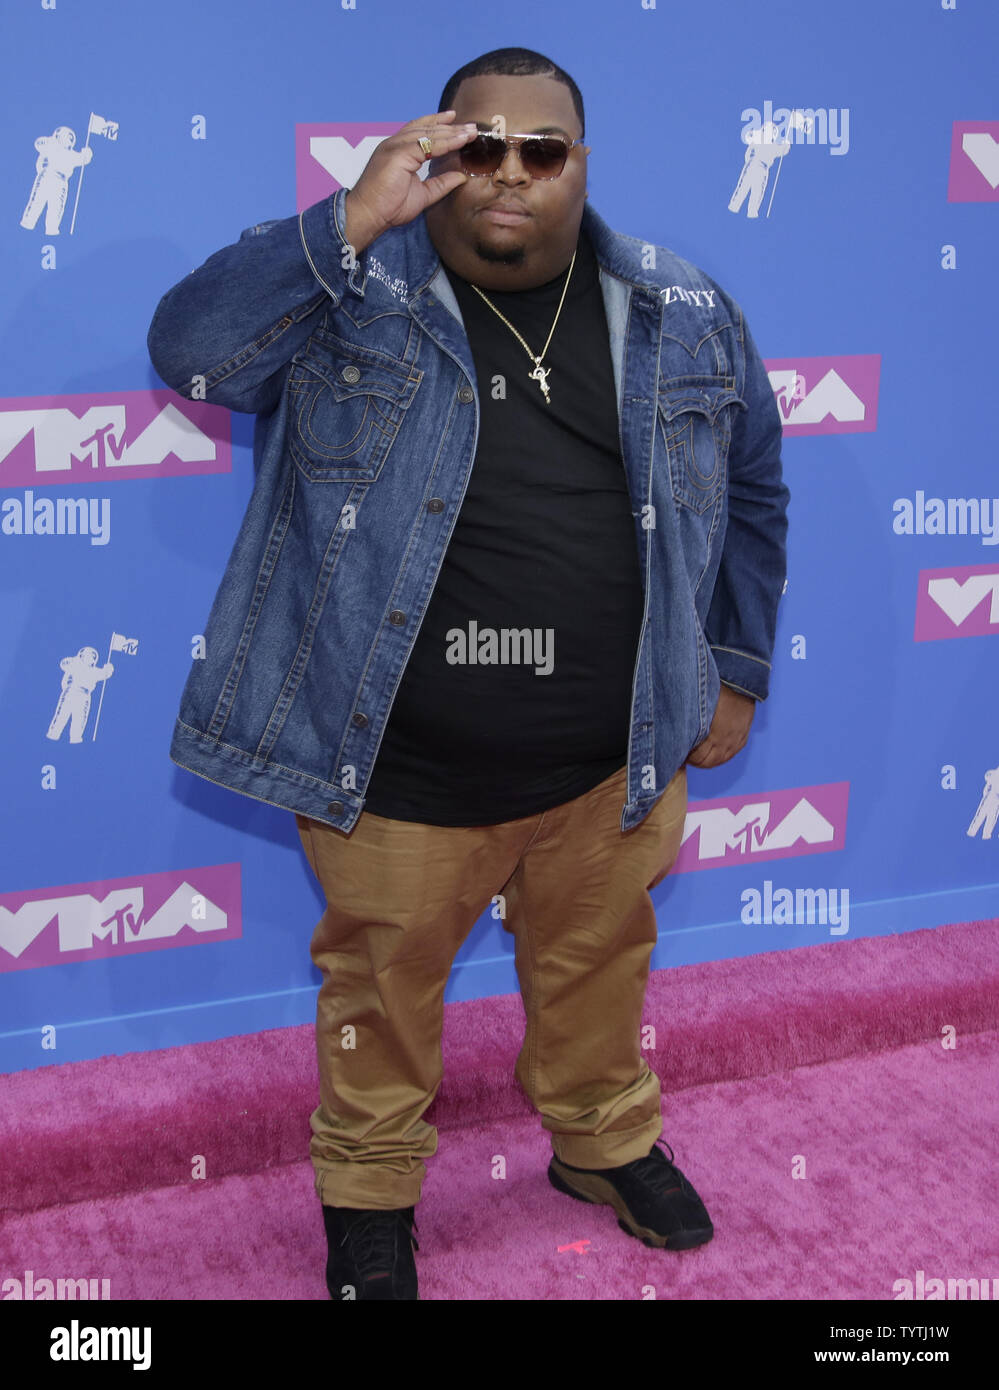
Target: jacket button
x=350 y=374
x=466 y=394
x=360 y=720
x=335 y=808
x=397 y=617
x=435 y=505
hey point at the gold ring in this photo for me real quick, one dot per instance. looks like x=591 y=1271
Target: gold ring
x=425 y=144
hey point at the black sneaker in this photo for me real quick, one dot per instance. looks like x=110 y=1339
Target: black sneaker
x=371 y=1253
x=652 y=1198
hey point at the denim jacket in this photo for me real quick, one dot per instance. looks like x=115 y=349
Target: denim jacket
x=361 y=375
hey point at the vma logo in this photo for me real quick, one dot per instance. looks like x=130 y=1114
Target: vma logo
x=974 y=162
x=331 y=156
x=132 y=434
x=120 y=916
x=826 y=395
x=768 y=825
x=962 y=601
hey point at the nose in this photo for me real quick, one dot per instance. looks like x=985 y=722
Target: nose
x=511 y=170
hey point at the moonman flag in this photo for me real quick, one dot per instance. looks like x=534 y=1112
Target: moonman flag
x=99 y=126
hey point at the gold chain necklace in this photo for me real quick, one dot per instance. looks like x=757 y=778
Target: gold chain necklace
x=540 y=374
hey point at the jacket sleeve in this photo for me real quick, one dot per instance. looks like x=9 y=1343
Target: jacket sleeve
x=741 y=623
x=238 y=319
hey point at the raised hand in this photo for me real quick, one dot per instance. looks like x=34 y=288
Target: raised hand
x=390 y=191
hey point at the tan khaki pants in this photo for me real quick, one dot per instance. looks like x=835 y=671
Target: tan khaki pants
x=402 y=898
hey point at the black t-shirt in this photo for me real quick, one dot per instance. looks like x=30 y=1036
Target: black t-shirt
x=545 y=541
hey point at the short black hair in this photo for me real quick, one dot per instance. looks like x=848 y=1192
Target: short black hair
x=513 y=62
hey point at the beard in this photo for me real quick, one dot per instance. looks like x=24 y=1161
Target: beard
x=514 y=255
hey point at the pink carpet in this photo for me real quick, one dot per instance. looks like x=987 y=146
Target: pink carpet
x=829 y=1056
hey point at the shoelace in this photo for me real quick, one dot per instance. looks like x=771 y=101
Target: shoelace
x=664 y=1177
x=372 y=1240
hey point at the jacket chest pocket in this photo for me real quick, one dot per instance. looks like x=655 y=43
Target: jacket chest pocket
x=346 y=406
x=695 y=421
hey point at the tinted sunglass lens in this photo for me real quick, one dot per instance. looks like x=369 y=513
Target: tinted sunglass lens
x=543 y=159
x=483 y=155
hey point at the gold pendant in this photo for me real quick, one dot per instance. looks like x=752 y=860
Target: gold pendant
x=540 y=375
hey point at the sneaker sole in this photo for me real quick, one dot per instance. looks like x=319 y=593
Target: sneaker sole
x=332 y=1282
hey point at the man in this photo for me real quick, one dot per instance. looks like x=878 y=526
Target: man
x=512 y=559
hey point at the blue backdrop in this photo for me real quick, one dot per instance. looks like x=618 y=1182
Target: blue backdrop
x=141 y=906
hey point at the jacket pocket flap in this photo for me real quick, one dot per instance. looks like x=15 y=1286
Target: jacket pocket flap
x=706 y=395
x=350 y=370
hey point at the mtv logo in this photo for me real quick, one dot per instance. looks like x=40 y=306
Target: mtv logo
x=826 y=395
x=130 y=434
x=974 y=162
x=88 y=921
x=766 y=825
x=962 y=601
x=331 y=156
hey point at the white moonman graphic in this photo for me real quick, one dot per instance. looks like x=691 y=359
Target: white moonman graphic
x=764 y=145
x=988 y=807
x=80 y=674
x=57 y=161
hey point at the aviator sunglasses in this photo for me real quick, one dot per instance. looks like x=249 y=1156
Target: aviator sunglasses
x=543 y=156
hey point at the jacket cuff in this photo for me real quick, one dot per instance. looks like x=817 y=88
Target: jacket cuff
x=322 y=228
x=747 y=674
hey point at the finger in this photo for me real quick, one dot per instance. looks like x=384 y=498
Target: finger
x=443 y=145
x=442 y=184
x=434 y=118
x=442 y=141
x=440 y=125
